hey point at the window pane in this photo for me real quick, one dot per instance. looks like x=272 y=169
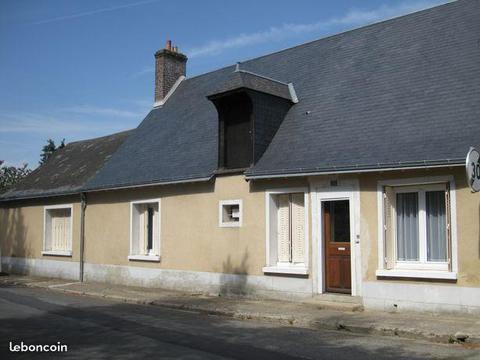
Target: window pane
x=436 y=226
x=339 y=220
x=407 y=227
x=151 y=212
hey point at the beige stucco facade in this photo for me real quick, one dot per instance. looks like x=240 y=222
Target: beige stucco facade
x=196 y=253
x=22 y=228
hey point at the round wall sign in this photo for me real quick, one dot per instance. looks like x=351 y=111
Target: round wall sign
x=473 y=169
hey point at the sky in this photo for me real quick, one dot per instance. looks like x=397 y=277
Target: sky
x=74 y=70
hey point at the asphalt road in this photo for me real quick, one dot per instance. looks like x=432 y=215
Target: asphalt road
x=100 y=329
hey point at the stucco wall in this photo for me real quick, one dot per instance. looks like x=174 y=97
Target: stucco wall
x=21 y=228
x=191 y=238
x=468 y=220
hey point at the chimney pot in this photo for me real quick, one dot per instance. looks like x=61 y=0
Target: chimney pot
x=168 y=45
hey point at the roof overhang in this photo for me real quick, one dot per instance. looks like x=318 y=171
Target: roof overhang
x=242 y=79
x=353 y=170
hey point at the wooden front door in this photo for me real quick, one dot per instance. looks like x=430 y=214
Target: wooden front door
x=336 y=230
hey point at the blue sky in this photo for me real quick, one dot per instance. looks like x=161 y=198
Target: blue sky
x=81 y=69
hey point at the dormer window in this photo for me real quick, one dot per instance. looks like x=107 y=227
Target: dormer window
x=236 y=132
x=250 y=110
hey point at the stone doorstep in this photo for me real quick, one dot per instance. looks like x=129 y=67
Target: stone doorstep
x=341 y=319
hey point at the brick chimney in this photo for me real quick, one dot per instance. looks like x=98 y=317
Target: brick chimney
x=170 y=65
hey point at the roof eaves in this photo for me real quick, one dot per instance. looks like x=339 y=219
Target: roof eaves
x=282 y=173
x=39 y=195
x=193 y=179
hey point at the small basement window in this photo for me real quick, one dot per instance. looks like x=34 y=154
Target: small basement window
x=230 y=213
x=145 y=230
x=58 y=230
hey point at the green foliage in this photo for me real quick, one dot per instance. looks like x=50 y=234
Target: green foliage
x=10 y=175
x=49 y=149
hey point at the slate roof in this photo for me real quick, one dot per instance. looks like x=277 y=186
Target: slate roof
x=68 y=169
x=403 y=92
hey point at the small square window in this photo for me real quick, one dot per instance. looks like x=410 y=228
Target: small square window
x=230 y=213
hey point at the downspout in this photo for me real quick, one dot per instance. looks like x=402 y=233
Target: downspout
x=83 y=198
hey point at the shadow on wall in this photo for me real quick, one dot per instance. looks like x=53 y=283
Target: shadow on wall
x=13 y=234
x=233 y=280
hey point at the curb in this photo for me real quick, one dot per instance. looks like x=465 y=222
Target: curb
x=332 y=324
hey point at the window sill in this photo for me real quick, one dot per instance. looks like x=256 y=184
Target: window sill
x=292 y=270
x=418 y=274
x=230 y=225
x=154 y=258
x=57 y=253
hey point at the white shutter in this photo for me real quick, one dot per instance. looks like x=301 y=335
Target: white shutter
x=60 y=230
x=283 y=230
x=389 y=229
x=448 y=214
x=142 y=233
x=298 y=227
x=56 y=229
x=68 y=224
x=156 y=230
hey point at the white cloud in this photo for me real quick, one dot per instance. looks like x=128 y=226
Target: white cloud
x=279 y=33
x=25 y=122
x=75 y=120
x=93 y=12
x=92 y=110
x=144 y=71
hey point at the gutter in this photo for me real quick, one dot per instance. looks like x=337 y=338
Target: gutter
x=335 y=171
x=106 y=188
x=83 y=200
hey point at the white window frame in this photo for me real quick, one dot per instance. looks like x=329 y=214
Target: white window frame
x=67 y=253
x=273 y=267
x=422 y=268
x=223 y=203
x=155 y=257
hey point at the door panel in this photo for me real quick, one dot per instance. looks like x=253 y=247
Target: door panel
x=336 y=229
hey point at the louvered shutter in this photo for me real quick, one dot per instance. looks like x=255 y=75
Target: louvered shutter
x=283 y=229
x=57 y=229
x=448 y=214
x=60 y=230
x=389 y=230
x=156 y=230
x=68 y=223
x=298 y=227
x=142 y=232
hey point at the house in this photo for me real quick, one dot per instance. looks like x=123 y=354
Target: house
x=334 y=166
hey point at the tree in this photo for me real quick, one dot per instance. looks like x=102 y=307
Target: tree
x=49 y=149
x=10 y=175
